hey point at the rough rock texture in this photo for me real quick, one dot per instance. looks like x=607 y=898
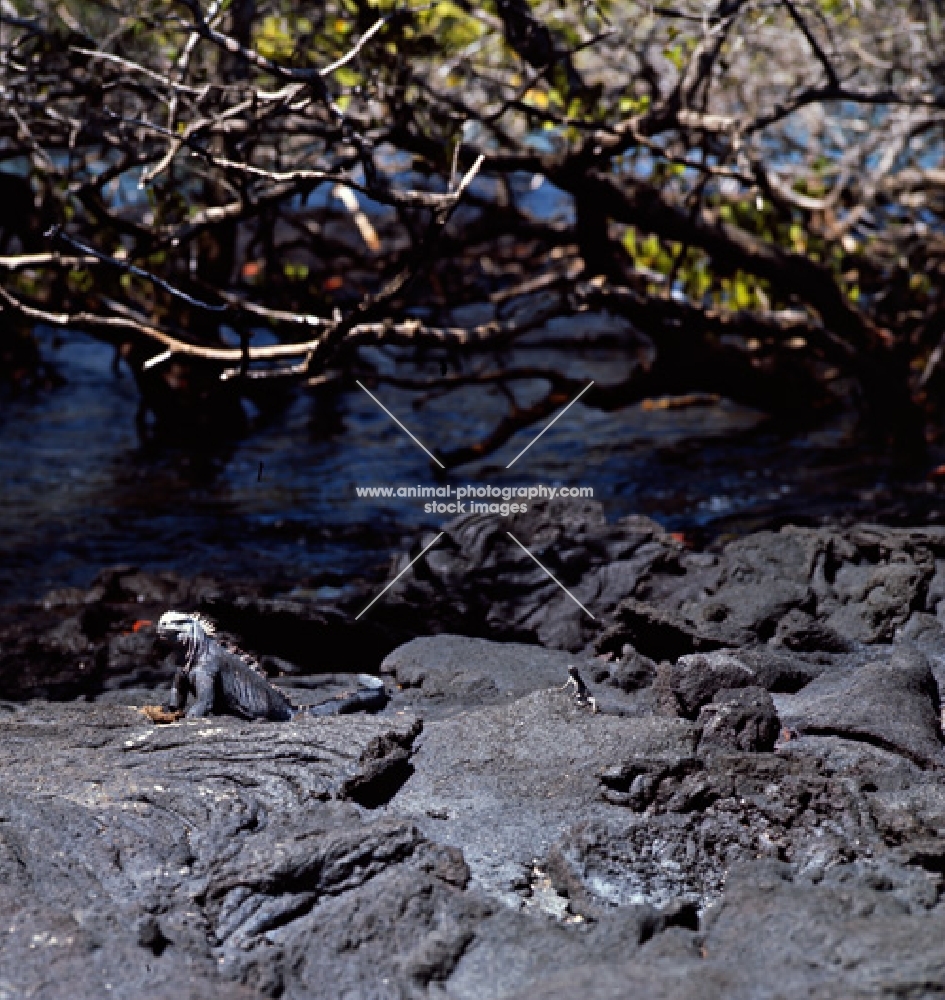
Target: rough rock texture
x=696 y=679
x=854 y=934
x=454 y=671
x=135 y=857
x=449 y=673
x=892 y=704
x=758 y=810
x=809 y=589
x=477 y=580
x=740 y=719
x=503 y=782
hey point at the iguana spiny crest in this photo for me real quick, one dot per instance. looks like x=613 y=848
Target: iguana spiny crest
x=191 y=629
x=223 y=681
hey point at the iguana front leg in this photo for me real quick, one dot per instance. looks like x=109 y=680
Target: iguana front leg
x=205 y=681
x=178 y=693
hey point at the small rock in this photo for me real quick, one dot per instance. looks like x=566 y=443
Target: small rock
x=633 y=672
x=740 y=719
x=801 y=632
x=696 y=679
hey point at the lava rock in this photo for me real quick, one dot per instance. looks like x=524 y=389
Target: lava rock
x=784 y=673
x=926 y=633
x=909 y=811
x=696 y=679
x=511 y=950
x=777 y=935
x=504 y=781
x=652 y=632
x=878 y=599
x=478 y=580
x=801 y=632
x=632 y=671
x=487 y=835
x=460 y=672
x=139 y=860
x=740 y=719
x=892 y=704
x=694 y=816
x=741 y=613
x=808 y=589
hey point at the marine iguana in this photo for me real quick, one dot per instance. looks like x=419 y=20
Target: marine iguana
x=223 y=682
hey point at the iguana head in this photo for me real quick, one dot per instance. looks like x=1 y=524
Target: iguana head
x=189 y=630
x=181 y=625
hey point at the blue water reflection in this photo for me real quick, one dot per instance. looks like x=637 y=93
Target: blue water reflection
x=81 y=492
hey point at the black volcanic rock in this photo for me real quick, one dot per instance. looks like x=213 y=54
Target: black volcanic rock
x=123 y=846
x=740 y=719
x=892 y=704
x=696 y=679
x=632 y=671
x=653 y=633
x=756 y=810
x=504 y=781
x=854 y=934
x=808 y=590
x=802 y=633
x=454 y=671
x=477 y=580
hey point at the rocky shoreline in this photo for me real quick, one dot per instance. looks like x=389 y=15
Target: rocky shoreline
x=756 y=810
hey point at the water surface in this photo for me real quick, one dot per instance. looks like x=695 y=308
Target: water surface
x=81 y=492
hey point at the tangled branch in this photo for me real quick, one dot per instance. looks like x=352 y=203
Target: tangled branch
x=176 y=176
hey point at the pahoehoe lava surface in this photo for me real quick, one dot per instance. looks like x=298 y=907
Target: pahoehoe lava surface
x=757 y=810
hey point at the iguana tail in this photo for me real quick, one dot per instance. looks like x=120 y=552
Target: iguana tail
x=371 y=696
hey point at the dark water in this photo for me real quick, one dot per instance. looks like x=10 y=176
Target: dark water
x=80 y=492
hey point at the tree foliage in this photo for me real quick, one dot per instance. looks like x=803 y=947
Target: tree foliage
x=248 y=191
